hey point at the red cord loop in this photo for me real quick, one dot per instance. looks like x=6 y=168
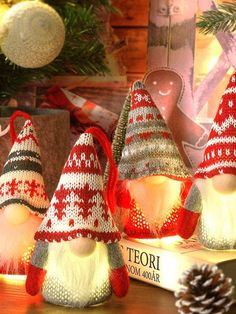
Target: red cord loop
x=15 y=115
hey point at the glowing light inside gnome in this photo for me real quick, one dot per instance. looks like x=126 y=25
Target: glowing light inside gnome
x=79 y=275
x=82 y=247
x=156 y=196
x=16 y=213
x=217 y=224
x=224 y=183
x=18 y=280
x=154 y=179
x=23 y=198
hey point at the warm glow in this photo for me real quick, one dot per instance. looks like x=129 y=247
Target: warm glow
x=13 y=279
x=82 y=247
x=16 y=242
x=207 y=53
x=3 y=9
x=163 y=242
x=82 y=275
x=224 y=183
x=27 y=255
x=215 y=51
x=153 y=179
x=156 y=201
x=218 y=216
x=16 y=214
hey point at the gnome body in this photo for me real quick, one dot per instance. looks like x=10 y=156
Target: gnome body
x=23 y=200
x=214 y=195
x=151 y=169
x=77 y=260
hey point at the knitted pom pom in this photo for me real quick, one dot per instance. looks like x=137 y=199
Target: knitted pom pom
x=119 y=280
x=204 y=289
x=15 y=115
x=34 y=279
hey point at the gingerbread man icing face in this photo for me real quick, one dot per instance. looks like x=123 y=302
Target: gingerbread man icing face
x=166 y=88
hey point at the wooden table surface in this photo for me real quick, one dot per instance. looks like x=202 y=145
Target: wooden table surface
x=141 y=299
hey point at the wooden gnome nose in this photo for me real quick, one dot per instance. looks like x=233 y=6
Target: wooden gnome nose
x=82 y=247
x=224 y=183
x=16 y=214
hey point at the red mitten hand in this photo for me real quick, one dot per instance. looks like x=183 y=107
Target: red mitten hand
x=187 y=223
x=34 y=280
x=119 y=280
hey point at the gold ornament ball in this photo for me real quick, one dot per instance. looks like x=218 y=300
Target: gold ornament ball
x=224 y=183
x=16 y=214
x=3 y=9
x=32 y=34
x=82 y=247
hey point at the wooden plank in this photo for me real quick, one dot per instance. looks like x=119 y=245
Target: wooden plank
x=134 y=55
x=135 y=13
x=142 y=298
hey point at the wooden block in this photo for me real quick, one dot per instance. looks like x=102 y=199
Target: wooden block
x=134 y=56
x=135 y=13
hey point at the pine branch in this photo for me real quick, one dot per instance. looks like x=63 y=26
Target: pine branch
x=222 y=19
x=83 y=52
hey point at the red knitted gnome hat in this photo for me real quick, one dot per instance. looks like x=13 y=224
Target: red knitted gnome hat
x=149 y=146
x=220 y=152
x=21 y=181
x=78 y=207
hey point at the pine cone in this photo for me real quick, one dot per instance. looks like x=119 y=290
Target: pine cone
x=205 y=290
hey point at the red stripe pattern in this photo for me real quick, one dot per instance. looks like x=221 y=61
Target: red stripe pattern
x=21 y=180
x=149 y=146
x=220 y=152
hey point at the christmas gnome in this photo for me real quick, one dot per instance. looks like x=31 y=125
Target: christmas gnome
x=213 y=195
x=153 y=176
x=23 y=198
x=77 y=260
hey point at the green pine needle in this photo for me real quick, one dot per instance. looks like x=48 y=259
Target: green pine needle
x=222 y=19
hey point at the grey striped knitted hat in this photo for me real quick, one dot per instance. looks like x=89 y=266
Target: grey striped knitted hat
x=149 y=146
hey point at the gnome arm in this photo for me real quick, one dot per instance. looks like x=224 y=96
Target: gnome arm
x=123 y=198
x=119 y=278
x=36 y=271
x=190 y=213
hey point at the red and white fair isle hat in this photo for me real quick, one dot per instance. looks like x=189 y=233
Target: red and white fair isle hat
x=78 y=207
x=21 y=181
x=220 y=152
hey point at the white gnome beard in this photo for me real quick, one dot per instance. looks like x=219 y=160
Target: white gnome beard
x=81 y=274
x=218 y=216
x=15 y=240
x=156 y=201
